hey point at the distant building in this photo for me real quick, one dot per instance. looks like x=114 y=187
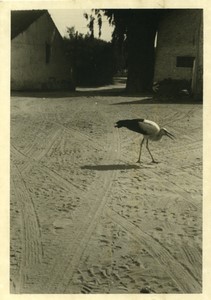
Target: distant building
x=37 y=53
x=179 y=51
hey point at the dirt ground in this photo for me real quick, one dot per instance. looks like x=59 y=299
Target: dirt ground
x=85 y=217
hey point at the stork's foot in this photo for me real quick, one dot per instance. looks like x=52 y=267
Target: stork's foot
x=155 y=162
x=138 y=161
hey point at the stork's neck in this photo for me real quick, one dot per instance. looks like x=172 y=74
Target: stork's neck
x=161 y=133
x=158 y=136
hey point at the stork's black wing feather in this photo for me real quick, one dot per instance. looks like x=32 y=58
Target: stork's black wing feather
x=132 y=125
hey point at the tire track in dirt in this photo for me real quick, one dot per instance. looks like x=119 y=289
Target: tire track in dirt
x=162 y=176
x=189 y=148
x=173 y=186
x=49 y=142
x=45 y=143
x=56 y=136
x=76 y=134
x=65 y=265
x=169 y=119
x=193 y=259
x=53 y=141
x=68 y=185
x=57 y=120
x=186 y=282
x=59 y=180
x=36 y=153
x=177 y=116
x=28 y=150
x=183 y=193
x=32 y=251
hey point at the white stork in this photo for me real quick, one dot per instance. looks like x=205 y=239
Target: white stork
x=149 y=129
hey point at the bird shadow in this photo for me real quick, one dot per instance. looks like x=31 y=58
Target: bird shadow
x=110 y=167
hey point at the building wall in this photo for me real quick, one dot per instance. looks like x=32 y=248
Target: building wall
x=179 y=34
x=197 y=84
x=29 y=69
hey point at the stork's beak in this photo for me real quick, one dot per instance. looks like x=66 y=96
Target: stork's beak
x=170 y=135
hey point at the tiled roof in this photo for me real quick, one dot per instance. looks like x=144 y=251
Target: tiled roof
x=22 y=19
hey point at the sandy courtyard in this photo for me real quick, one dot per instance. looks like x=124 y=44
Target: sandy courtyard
x=85 y=217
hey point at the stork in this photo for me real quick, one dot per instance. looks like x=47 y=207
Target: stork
x=149 y=129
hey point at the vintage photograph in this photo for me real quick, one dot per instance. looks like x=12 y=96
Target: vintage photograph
x=106 y=151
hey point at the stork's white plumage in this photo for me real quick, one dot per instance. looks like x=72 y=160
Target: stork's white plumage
x=149 y=129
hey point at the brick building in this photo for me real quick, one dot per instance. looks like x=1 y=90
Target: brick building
x=37 y=53
x=179 y=51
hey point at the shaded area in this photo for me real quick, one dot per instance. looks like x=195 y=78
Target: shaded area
x=115 y=90
x=106 y=92
x=80 y=92
x=110 y=167
x=151 y=100
x=144 y=101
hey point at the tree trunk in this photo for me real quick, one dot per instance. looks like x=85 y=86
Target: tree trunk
x=141 y=37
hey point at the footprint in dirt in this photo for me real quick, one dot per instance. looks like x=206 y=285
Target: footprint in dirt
x=146 y=290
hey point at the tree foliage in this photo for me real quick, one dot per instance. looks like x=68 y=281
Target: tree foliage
x=135 y=30
x=92 y=59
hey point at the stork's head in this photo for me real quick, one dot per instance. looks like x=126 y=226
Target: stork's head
x=119 y=124
x=164 y=131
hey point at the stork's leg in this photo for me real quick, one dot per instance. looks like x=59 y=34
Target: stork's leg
x=150 y=153
x=138 y=161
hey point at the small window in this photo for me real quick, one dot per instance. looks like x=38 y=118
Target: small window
x=185 y=61
x=47 y=53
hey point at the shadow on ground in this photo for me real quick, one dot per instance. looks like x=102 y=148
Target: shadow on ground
x=107 y=91
x=117 y=88
x=151 y=100
x=110 y=167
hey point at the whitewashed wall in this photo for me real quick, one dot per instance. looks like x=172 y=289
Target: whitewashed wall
x=29 y=69
x=180 y=34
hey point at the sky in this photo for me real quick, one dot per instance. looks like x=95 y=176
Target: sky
x=64 y=18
